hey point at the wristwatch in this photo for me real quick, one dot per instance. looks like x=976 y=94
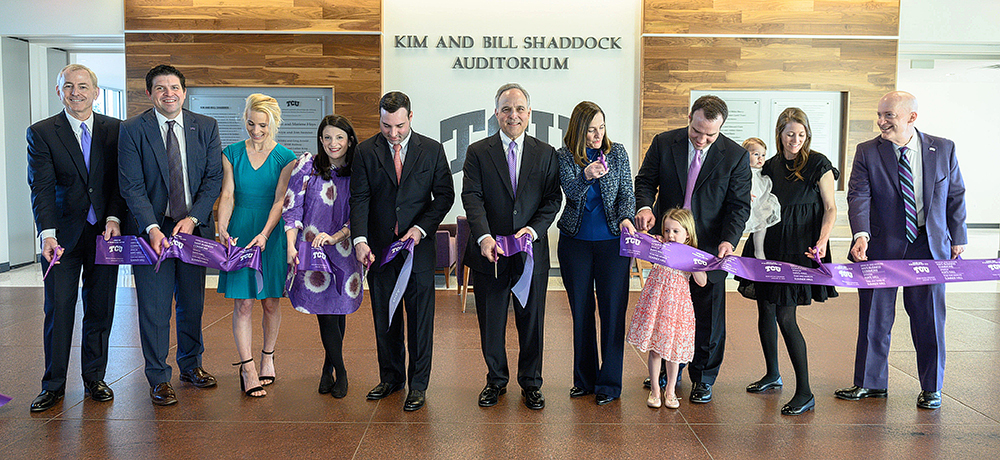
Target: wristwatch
x=195 y=220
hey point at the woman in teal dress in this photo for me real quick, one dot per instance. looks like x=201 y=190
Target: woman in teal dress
x=256 y=173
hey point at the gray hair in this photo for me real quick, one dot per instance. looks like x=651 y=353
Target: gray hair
x=512 y=86
x=61 y=78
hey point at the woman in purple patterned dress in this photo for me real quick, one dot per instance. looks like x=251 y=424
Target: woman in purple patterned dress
x=316 y=210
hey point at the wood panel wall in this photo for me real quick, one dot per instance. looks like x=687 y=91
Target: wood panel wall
x=350 y=63
x=672 y=66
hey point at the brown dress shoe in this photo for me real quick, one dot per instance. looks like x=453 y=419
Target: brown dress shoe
x=198 y=377
x=163 y=394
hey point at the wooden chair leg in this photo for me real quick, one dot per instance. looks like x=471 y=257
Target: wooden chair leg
x=465 y=286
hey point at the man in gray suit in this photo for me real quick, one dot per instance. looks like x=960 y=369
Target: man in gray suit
x=170 y=168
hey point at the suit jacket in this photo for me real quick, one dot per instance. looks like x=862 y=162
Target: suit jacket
x=62 y=189
x=144 y=172
x=617 y=193
x=875 y=201
x=490 y=204
x=378 y=202
x=720 y=202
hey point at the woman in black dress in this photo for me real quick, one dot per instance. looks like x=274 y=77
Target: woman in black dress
x=803 y=181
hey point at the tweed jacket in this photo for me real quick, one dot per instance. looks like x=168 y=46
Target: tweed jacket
x=617 y=192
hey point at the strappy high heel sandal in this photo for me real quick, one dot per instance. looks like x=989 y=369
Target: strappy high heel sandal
x=243 y=383
x=266 y=380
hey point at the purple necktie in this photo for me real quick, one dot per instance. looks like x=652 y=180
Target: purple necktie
x=512 y=164
x=85 y=147
x=175 y=188
x=909 y=198
x=692 y=178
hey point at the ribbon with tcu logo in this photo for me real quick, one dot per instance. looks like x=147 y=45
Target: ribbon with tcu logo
x=864 y=275
x=316 y=259
x=404 y=273
x=510 y=246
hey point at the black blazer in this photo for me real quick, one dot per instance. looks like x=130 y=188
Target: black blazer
x=62 y=190
x=721 y=199
x=378 y=202
x=144 y=172
x=489 y=200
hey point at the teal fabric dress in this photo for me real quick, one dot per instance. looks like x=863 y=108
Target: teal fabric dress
x=253 y=196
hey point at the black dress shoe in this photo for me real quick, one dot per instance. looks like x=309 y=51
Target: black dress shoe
x=46 y=399
x=383 y=389
x=99 y=390
x=855 y=393
x=789 y=409
x=929 y=400
x=163 y=394
x=491 y=395
x=701 y=393
x=414 y=400
x=198 y=377
x=533 y=398
x=764 y=385
x=577 y=392
x=325 y=383
x=603 y=399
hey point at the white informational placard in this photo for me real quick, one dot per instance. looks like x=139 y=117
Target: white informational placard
x=755 y=113
x=302 y=109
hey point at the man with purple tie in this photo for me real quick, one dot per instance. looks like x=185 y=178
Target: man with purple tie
x=906 y=200
x=73 y=175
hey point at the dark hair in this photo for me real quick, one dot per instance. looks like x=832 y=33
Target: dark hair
x=393 y=101
x=711 y=106
x=794 y=115
x=576 y=133
x=163 y=69
x=321 y=162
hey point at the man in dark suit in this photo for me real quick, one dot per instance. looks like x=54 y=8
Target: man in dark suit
x=700 y=169
x=511 y=186
x=170 y=167
x=401 y=188
x=73 y=174
x=906 y=200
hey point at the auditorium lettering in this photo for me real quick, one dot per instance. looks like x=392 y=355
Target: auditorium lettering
x=515 y=44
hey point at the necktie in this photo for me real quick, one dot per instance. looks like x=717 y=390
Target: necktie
x=512 y=164
x=398 y=161
x=909 y=198
x=175 y=189
x=692 y=178
x=85 y=147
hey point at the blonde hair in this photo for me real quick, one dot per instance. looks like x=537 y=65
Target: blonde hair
x=686 y=219
x=754 y=140
x=267 y=105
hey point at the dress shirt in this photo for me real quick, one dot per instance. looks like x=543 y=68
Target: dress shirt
x=519 y=148
x=404 y=146
x=704 y=153
x=161 y=121
x=77 y=131
x=916 y=168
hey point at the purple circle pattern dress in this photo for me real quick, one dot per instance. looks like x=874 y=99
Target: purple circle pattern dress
x=314 y=205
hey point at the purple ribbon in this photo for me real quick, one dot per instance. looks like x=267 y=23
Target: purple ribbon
x=404 y=273
x=862 y=275
x=124 y=250
x=55 y=258
x=204 y=252
x=316 y=259
x=510 y=246
x=603 y=161
x=4 y=399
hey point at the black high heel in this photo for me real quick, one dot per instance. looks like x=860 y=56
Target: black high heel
x=243 y=384
x=266 y=380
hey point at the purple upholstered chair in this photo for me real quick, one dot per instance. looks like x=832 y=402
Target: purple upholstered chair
x=446 y=252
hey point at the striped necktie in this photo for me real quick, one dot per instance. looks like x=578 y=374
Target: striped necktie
x=909 y=198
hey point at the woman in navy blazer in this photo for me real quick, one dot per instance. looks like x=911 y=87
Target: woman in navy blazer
x=600 y=202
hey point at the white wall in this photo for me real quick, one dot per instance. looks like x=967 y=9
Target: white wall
x=949 y=21
x=24 y=18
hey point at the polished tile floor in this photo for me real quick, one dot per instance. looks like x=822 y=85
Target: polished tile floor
x=294 y=421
